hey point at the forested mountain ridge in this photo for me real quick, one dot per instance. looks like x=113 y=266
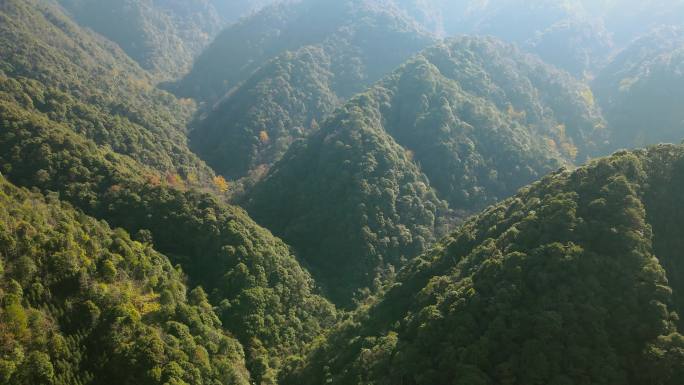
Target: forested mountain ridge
x=483 y=118
x=640 y=91
x=54 y=69
x=232 y=10
x=84 y=304
x=71 y=123
x=244 y=47
x=467 y=122
x=563 y=33
x=577 y=279
x=123 y=259
x=350 y=178
x=254 y=124
x=163 y=36
x=576 y=35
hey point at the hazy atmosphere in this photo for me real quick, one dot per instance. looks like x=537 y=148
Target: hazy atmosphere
x=345 y=192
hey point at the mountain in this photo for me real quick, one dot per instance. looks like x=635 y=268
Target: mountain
x=55 y=70
x=255 y=123
x=232 y=10
x=242 y=48
x=630 y=19
x=468 y=121
x=163 y=36
x=577 y=279
x=82 y=303
x=351 y=202
x=640 y=91
x=563 y=33
x=78 y=118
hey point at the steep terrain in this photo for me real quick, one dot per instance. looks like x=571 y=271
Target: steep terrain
x=53 y=69
x=72 y=122
x=471 y=121
x=575 y=280
x=121 y=261
x=630 y=19
x=232 y=10
x=642 y=89
x=243 y=48
x=163 y=36
x=84 y=304
x=254 y=124
x=563 y=33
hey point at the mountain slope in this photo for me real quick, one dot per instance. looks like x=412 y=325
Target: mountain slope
x=570 y=281
x=254 y=124
x=356 y=204
x=640 y=91
x=243 y=48
x=68 y=75
x=232 y=10
x=563 y=33
x=483 y=119
x=67 y=125
x=471 y=121
x=265 y=298
x=162 y=36
x=82 y=303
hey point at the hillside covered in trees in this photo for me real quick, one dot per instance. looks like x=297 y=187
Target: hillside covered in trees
x=641 y=90
x=469 y=122
x=576 y=35
x=232 y=10
x=162 y=36
x=575 y=280
x=255 y=123
x=244 y=47
x=121 y=156
x=385 y=234
x=80 y=302
x=60 y=73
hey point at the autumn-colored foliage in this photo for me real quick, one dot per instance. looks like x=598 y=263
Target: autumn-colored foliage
x=264 y=138
x=221 y=183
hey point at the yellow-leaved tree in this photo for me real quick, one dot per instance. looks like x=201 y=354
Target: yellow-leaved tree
x=221 y=183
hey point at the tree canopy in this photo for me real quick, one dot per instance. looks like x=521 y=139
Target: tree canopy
x=85 y=304
x=574 y=280
x=467 y=122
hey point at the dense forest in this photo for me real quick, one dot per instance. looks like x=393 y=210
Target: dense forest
x=469 y=122
x=257 y=120
x=640 y=91
x=162 y=36
x=575 y=280
x=99 y=153
x=81 y=301
x=345 y=192
x=576 y=35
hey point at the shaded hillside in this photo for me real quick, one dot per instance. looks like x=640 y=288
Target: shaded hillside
x=563 y=33
x=573 y=280
x=482 y=119
x=630 y=19
x=350 y=201
x=163 y=36
x=254 y=124
x=470 y=121
x=84 y=304
x=242 y=48
x=232 y=10
x=62 y=73
x=265 y=298
x=642 y=89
